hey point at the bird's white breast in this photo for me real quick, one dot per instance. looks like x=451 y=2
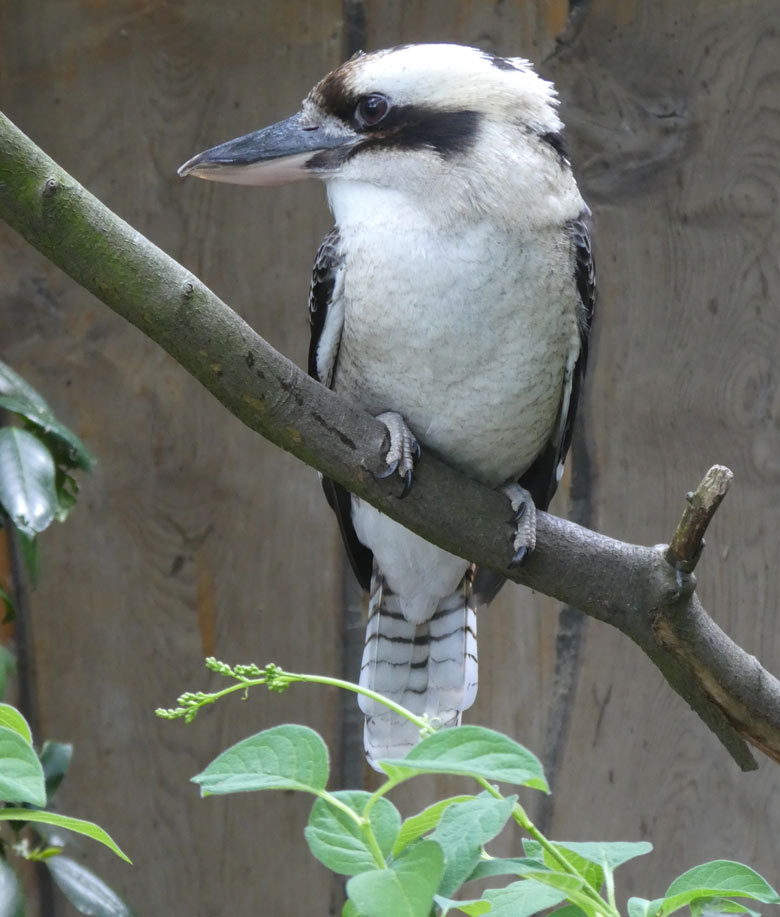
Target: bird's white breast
x=463 y=328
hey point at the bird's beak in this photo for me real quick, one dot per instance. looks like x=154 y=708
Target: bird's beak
x=284 y=152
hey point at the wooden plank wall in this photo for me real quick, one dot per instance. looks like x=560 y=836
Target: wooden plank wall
x=193 y=536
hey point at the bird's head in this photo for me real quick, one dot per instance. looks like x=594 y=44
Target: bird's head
x=402 y=118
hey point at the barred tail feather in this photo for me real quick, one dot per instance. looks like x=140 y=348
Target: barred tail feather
x=429 y=668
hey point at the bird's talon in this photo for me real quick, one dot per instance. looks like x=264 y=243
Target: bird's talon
x=389 y=471
x=408 y=481
x=524 y=510
x=403 y=451
x=519 y=559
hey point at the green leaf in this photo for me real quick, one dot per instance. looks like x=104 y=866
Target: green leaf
x=417 y=825
x=288 y=757
x=641 y=907
x=42 y=853
x=14 y=386
x=501 y=866
x=27 y=489
x=462 y=831
x=728 y=877
x=529 y=869
x=78 y=825
x=349 y=910
x=715 y=906
x=568 y=910
x=16 y=405
x=85 y=891
x=591 y=872
x=25 y=401
x=472 y=751
x=475 y=907
x=521 y=899
x=11 y=895
x=533 y=850
x=563 y=881
x=591 y=859
x=12 y=719
x=55 y=759
x=405 y=889
x=336 y=840
x=608 y=855
x=21 y=774
x=720 y=878
x=66 y=447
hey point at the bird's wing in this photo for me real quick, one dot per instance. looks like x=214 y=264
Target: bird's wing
x=326 y=318
x=541 y=479
x=326 y=311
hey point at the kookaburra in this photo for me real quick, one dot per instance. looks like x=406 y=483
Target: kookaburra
x=453 y=300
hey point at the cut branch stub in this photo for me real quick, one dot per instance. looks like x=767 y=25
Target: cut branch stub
x=688 y=540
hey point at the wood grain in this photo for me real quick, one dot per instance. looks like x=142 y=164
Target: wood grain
x=673 y=121
x=192 y=532
x=193 y=535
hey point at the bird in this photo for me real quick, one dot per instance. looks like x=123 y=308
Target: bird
x=452 y=299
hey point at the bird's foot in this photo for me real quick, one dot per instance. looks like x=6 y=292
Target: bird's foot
x=403 y=452
x=524 y=508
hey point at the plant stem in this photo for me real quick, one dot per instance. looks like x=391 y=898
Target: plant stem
x=609 y=880
x=338 y=804
x=383 y=790
x=278 y=680
x=291 y=677
x=520 y=816
x=362 y=821
x=373 y=843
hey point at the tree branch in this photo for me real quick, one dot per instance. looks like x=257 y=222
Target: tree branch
x=647 y=593
x=687 y=542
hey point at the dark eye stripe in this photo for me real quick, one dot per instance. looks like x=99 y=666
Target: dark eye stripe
x=410 y=127
x=403 y=127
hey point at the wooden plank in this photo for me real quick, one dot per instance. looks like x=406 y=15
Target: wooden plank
x=192 y=532
x=526 y=28
x=673 y=126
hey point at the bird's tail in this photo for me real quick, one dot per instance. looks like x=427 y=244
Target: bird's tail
x=429 y=668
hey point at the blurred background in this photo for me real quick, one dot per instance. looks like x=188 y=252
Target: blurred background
x=193 y=536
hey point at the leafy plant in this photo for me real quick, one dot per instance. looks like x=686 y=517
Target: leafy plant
x=37 y=459
x=28 y=782
x=414 y=867
x=36 y=487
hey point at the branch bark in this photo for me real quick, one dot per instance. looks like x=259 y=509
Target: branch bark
x=646 y=592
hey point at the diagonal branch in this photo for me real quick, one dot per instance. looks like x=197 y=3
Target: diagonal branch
x=645 y=592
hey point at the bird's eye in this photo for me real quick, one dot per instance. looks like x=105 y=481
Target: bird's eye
x=370 y=110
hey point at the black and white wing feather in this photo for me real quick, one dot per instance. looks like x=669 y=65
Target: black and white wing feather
x=542 y=478
x=326 y=318
x=326 y=308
